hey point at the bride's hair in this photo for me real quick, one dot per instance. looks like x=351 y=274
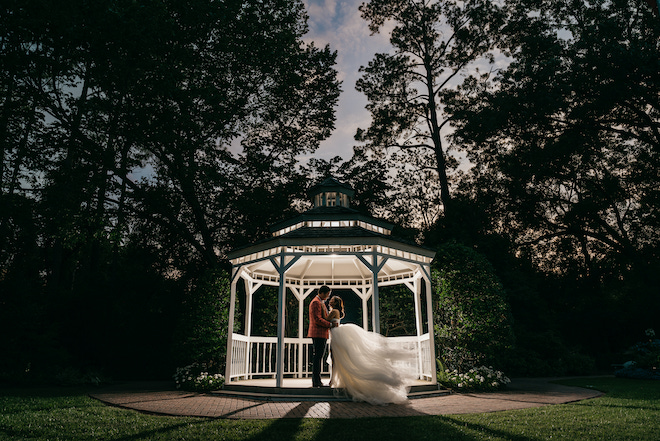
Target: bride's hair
x=337 y=303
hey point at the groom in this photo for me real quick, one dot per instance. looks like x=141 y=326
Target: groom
x=318 y=331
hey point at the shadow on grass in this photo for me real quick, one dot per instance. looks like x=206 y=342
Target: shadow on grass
x=408 y=428
x=153 y=433
x=484 y=432
x=289 y=426
x=20 y=401
x=431 y=428
x=601 y=405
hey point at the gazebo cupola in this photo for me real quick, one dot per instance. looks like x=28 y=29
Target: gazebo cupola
x=330 y=244
x=332 y=200
x=331 y=193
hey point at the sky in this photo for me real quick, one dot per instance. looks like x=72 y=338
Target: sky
x=338 y=23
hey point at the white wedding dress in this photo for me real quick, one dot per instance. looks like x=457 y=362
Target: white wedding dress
x=368 y=368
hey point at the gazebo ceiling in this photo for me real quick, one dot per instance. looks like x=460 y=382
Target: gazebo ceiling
x=333 y=257
x=341 y=269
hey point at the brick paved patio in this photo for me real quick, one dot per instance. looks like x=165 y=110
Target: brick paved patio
x=159 y=398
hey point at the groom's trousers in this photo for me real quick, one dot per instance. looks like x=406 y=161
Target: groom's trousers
x=318 y=349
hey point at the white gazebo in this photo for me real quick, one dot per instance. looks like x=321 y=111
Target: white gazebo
x=334 y=245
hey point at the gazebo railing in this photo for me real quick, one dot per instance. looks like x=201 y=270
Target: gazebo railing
x=422 y=346
x=255 y=357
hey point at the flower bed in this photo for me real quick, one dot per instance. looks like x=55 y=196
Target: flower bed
x=645 y=360
x=195 y=378
x=479 y=378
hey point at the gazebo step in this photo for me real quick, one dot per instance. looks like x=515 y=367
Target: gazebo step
x=424 y=388
x=312 y=394
x=282 y=393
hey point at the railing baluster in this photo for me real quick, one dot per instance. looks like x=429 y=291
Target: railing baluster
x=253 y=356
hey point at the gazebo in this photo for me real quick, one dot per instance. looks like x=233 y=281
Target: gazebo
x=330 y=244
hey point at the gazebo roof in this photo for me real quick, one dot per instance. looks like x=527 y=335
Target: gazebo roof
x=330 y=214
x=335 y=239
x=332 y=243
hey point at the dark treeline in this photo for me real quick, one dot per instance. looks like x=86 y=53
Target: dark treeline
x=140 y=141
x=119 y=188
x=560 y=118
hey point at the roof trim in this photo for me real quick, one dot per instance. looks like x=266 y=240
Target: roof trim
x=373 y=239
x=342 y=213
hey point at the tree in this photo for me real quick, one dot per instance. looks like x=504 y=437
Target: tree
x=201 y=335
x=433 y=43
x=566 y=140
x=153 y=125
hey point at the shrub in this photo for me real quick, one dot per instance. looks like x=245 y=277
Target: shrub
x=544 y=354
x=480 y=378
x=202 y=332
x=645 y=359
x=473 y=322
x=195 y=377
x=71 y=376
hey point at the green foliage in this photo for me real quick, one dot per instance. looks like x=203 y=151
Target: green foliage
x=117 y=183
x=644 y=359
x=397 y=311
x=471 y=315
x=201 y=337
x=195 y=377
x=628 y=411
x=480 y=378
x=565 y=138
x=544 y=353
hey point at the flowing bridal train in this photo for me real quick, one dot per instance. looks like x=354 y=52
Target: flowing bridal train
x=366 y=366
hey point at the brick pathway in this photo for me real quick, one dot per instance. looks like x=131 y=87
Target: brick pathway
x=160 y=399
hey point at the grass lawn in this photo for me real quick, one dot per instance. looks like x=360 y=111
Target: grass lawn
x=630 y=410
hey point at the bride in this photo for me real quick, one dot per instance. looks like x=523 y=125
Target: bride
x=364 y=365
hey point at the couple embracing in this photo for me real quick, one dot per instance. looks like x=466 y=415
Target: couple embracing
x=363 y=364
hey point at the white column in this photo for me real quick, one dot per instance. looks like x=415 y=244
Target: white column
x=363 y=294
x=301 y=329
x=230 y=331
x=417 y=293
x=429 y=313
x=301 y=307
x=375 y=303
x=375 y=268
x=281 y=297
x=248 y=308
x=365 y=313
x=281 y=301
x=250 y=288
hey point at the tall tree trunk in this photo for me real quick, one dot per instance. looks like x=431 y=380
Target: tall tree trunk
x=434 y=126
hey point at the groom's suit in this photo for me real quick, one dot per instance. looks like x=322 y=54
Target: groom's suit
x=319 y=330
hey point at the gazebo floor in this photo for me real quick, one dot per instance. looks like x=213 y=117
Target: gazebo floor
x=300 y=389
